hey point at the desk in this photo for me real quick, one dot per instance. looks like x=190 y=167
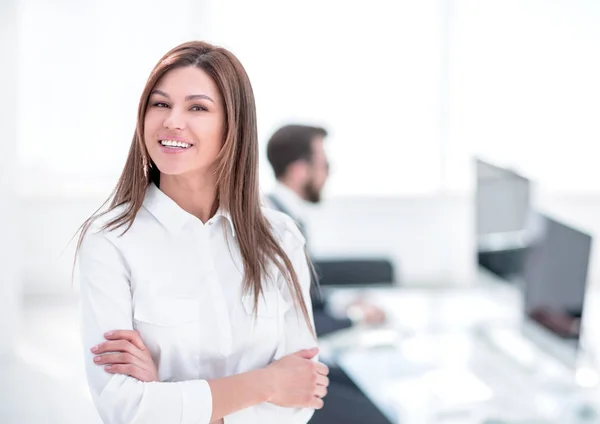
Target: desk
x=457 y=356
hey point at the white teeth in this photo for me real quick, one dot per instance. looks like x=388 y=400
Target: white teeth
x=174 y=143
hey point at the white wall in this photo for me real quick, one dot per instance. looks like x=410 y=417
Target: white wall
x=9 y=209
x=83 y=67
x=49 y=260
x=524 y=89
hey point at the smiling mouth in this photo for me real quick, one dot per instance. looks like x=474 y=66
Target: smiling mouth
x=174 y=144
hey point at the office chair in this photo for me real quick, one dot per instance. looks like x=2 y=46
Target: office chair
x=355 y=272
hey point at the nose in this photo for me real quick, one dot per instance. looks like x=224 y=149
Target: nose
x=174 y=120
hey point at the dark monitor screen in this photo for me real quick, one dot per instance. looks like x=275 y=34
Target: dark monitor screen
x=555 y=275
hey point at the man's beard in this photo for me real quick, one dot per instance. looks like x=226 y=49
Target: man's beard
x=311 y=193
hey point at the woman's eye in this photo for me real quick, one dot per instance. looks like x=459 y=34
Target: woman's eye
x=197 y=108
x=160 y=104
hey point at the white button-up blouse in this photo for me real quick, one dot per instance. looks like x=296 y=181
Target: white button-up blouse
x=178 y=282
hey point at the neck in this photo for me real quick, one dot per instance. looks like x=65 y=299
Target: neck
x=194 y=194
x=294 y=186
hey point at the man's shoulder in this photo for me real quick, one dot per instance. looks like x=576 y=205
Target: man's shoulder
x=271 y=201
x=278 y=219
x=284 y=227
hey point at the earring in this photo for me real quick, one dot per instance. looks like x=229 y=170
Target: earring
x=146 y=164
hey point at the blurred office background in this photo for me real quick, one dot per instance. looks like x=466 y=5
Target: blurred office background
x=411 y=92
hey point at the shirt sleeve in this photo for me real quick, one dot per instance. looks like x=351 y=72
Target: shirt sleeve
x=297 y=336
x=106 y=305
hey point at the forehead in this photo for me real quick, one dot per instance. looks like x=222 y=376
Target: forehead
x=318 y=148
x=181 y=82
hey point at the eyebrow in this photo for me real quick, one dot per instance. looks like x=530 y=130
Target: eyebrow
x=187 y=99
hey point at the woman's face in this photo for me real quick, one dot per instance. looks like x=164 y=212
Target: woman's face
x=184 y=122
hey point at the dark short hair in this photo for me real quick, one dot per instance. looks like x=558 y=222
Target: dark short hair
x=290 y=144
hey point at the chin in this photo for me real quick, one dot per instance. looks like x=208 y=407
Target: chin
x=180 y=169
x=171 y=169
x=314 y=198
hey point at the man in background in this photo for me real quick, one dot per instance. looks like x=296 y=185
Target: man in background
x=297 y=156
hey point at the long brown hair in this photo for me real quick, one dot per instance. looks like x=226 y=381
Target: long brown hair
x=236 y=168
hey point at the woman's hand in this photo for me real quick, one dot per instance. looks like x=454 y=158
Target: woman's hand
x=125 y=353
x=298 y=382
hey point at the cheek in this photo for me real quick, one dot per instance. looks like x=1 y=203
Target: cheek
x=218 y=134
x=209 y=134
x=322 y=177
x=149 y=128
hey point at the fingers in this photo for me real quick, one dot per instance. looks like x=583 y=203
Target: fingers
x=308 y=353
x=322 y=369
x=119 y=358
x=322 y=381
x=127 y=355
x=118 y=346
x=316 y=403
x=130 y=335
x=321 y=391
x=127 y=369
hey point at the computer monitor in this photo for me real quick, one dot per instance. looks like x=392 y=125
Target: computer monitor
x=502 y=206
x=555 y=276
x=558 y=323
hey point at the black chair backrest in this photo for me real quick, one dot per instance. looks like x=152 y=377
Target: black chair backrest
x=355 y=272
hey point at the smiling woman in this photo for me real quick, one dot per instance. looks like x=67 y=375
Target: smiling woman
x=185 y=321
